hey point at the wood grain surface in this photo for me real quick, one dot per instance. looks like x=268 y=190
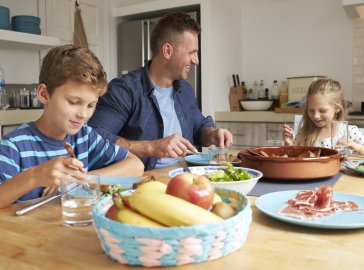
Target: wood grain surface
x=39 y=240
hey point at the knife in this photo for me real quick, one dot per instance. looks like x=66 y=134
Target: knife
x=183 y=163
x=29 y=208
x=234 y=80
x=237 y=80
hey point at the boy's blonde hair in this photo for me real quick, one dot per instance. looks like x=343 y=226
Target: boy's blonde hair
x=331 y=89
x=72 y=63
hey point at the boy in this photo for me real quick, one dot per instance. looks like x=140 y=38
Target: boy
x=33 y=157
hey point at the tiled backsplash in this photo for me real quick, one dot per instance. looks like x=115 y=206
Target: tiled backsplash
x=358 y=65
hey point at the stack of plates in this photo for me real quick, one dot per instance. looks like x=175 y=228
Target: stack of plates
x=26 y=24
x=4 y=18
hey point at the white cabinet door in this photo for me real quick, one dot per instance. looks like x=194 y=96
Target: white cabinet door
x=61 y=17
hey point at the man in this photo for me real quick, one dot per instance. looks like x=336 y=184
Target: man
x=152 y=111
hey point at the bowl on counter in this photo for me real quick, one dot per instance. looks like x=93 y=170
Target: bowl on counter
x=292 y=162
x=256 y=105
x=244 y=186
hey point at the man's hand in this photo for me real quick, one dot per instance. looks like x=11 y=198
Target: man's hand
x=172 y=146
x=220 y=137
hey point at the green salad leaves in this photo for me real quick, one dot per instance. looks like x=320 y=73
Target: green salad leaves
x=229 y=174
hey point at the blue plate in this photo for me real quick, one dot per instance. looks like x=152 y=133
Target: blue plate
x=271 y=204
x=202 y=160
x=357 y=162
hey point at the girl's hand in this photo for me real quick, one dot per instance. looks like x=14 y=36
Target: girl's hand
x=356 y=147
x=288 y=135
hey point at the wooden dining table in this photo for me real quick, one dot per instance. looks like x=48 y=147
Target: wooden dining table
x=39 y=240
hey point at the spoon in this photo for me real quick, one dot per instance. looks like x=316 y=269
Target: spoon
x=69 y=150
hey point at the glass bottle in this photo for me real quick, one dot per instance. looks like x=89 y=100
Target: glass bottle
x=261 y=90
x=255 y=90
x=275 y=94
x=283 y=94
x=3 y=95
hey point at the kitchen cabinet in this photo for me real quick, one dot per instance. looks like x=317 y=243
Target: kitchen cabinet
x=247 y=134
x=254 y=128
x=19 y=40
x=10 y=119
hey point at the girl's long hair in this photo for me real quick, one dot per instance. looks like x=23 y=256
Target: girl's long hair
x=308 y=133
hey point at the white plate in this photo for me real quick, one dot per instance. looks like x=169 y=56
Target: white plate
x=271 y=203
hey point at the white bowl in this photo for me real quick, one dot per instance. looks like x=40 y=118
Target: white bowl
x=244 y=186
x=256 y=105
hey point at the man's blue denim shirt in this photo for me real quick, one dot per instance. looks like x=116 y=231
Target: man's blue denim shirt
x=130 y=110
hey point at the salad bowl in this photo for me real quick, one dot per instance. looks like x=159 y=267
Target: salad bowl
x=226 y=176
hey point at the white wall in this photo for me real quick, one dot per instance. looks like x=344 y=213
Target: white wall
x=280 y=39
x=270 y=40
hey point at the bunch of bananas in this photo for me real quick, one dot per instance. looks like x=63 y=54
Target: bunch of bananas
x=150 y=206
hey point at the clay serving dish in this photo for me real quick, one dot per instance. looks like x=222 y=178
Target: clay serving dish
x=293 y=167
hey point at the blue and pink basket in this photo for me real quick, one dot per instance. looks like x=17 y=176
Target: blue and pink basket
x=151 y=247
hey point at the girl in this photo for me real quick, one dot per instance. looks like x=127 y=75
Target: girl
x=325 y=102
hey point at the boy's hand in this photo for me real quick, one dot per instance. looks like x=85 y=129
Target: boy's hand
x=48 y=174
x=49 y=191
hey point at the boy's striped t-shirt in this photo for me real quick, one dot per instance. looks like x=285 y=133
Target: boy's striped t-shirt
x=26 y=147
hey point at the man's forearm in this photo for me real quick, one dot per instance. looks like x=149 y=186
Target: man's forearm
x=206 y=138
x=138 y=148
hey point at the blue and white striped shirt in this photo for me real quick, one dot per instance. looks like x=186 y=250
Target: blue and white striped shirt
x=27 y=147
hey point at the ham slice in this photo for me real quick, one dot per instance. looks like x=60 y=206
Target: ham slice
x=316 y=203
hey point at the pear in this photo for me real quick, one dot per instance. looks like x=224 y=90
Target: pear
x=223 y=210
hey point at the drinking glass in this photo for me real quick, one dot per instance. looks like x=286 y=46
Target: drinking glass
x=274 y=143
x=79 y=193
x=218 y=155
x=339 y=137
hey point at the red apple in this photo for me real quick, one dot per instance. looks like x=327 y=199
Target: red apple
x=196 y=189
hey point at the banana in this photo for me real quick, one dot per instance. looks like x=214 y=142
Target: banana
x=217 y=199
x=154 y=186
x=170 y=210
x=131 y=217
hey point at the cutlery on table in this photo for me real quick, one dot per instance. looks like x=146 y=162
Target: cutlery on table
x=69 y=150
x=183 y=163
x=30 y=207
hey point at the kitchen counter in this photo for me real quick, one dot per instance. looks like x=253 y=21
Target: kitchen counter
x=39 y=240
x=255 y=128
x=18 y=116
x=266 y=116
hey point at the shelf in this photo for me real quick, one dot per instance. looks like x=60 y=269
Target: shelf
x=19 y=40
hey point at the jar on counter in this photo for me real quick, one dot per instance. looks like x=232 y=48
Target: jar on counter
x=34 y=99
x=24 y=98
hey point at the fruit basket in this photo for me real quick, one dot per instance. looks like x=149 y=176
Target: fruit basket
x=169 y=246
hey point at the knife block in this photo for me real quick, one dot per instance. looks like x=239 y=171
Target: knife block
x=235 y=95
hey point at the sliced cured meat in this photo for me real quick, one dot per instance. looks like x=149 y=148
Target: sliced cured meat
x=316 y=203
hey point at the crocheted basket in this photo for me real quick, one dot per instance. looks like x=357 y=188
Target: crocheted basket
x=171 y=246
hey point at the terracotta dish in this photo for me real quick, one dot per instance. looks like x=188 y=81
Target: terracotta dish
x=297 y=166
